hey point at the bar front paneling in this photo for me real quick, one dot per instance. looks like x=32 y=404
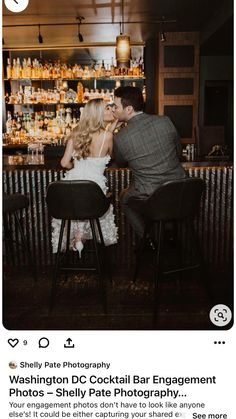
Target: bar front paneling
x=213 y=224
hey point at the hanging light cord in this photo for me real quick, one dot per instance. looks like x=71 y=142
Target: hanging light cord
x=122 y=17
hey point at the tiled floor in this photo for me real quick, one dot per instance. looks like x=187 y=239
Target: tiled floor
x=183 y=301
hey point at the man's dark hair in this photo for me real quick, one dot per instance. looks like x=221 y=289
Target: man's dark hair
x=130 y=96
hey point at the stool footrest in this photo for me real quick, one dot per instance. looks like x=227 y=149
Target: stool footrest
x=79 y=269
x=181 y=269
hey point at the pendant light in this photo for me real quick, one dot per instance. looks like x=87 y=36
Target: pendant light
x=162 y=33
x=123 y=53
x=80 y=36
x=40 y=38
x=162 y=36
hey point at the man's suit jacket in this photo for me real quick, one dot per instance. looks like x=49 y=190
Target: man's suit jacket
x=151 y=148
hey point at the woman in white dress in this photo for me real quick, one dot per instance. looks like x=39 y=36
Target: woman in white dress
x=87 y=153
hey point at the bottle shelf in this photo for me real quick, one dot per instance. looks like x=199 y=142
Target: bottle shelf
x=112 y=78
x=48 y=103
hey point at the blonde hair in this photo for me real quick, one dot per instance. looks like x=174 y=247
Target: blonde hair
x=91 y=121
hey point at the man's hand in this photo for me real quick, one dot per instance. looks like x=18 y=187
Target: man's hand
x=116 y=124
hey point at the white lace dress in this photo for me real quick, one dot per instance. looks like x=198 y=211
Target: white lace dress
x=90 y=168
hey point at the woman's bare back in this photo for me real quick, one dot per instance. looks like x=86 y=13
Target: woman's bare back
x=101 y=144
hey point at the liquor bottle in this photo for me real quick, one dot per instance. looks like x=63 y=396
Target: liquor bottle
x=80 y=72
x=62 y=96
x=108 y=71
x=45 y=71
x=112 y=69
x=18 y=68
x=117 y=72
x=80 y=92
x=103 y=69
x=38 y=96
x=24 y=70
x=141 y=67
x=20 y=95
x=68 y=118
x=54 y=71
x=98 y=70
x=144 y=93
x=69 y=73
x=124 y=71
x=35 y=69
x=19 y=123
x=7 y=99
x=92 y=72
x=56 y=95
x=86 y=72
x=130 y=70
x=28 y=69
x=9 y=69
x=13 y=74
x=9 y=123
x=135 y=68
x=75 y=71
x=11 y=98
x=63 y=71
x=40 y=70
x=58 y=70
x=86 y=95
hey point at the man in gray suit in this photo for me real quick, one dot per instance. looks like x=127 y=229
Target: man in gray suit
x=149 y=145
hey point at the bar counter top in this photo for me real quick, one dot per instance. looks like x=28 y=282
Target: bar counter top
x=23 y=161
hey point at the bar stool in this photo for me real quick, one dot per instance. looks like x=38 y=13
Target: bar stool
x=77 y=200
x=173 y=201
x=13 y=204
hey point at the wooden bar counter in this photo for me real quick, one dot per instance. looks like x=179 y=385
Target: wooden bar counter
x=213 y=224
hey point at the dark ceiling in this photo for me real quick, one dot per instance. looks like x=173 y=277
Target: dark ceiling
x=212 y=18
x=221 y=41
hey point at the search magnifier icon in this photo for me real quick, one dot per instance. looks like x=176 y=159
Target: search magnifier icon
x=43 y=342
x=220 y=315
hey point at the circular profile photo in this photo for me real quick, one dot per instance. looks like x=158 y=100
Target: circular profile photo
x=12 y=365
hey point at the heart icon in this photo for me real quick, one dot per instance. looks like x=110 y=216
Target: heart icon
x=13 y=342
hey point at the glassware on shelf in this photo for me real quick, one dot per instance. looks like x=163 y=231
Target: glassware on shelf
x=41 y=152
x=32 y=152
x=70 y=96
x=43 y=125
x=35 y=153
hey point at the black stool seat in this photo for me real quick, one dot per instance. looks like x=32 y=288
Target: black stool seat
x=14 y=202
x=77 y=200
x=172 y=201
